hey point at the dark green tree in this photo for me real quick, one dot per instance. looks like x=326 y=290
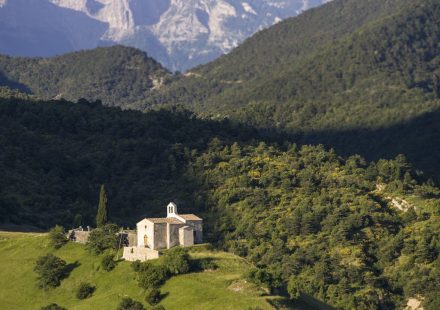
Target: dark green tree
x=103 y=238
x=50 y=269
x=84 y=290
x=153 y=296
x=57 y=236
x=177 y=260
x=108 y=262
x=130 y=304
x=152 y=276
x=101 y=216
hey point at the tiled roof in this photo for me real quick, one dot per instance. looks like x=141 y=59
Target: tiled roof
x=190 y=217
x=165 y=220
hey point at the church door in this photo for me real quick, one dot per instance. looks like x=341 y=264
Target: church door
x=145 y=241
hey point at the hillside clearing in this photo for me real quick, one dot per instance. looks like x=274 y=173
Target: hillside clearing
x=201 y=290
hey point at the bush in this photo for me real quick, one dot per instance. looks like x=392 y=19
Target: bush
x=158 y=308
x=130 y=304
x=84 y=290
x=293 y=288
x=152 y=276
x=51 y=270
x=259 y=277
x=101 y=239
x=57 y=237
x=52 y=307
x=108 y=262
x=177 y=260
x=207 y=264
x=153 y=296
x=137 y=266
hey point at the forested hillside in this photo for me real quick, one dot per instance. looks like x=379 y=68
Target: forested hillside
x=351 y=233
x=116 y=75
x=55 y=155
x=352 y=85
x=350 y=74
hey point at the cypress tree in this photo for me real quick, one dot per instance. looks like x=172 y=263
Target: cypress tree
x=101 y=216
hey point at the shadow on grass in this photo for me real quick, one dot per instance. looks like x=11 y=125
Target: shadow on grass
x=203 y=264
x=305 y=302
x=69 y=268
x=164 y=295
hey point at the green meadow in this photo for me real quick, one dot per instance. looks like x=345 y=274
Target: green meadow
x=200 y=290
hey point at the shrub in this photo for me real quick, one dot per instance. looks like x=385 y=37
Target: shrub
x=103 y=238
x=57 y=237
x=153 y=296
x=160 y=307
x=108 y=263
x=50 y=269
x=207 y=264
x=52 y=307
x=136 y=266
x=152 y=276
x=84 y=290
x=293 y=288
x=130 y=304
x=259 y=277
x=177 y=260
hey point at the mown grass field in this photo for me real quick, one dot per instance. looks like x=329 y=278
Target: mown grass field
x=216 y=289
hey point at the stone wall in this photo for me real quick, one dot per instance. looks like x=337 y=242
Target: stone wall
x=174 y=234
x=160 y=235
x=132 y=238
x=80 y=236
x=142 y=254
x=145 y=228
x=128 y=238
x=198 y=228
x=186 y=236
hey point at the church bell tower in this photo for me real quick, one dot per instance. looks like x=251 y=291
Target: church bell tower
x=171 y=209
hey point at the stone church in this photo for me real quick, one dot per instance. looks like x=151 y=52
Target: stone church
x=154 y=234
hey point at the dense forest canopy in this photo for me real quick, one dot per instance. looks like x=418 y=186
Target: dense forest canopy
x=354 y=90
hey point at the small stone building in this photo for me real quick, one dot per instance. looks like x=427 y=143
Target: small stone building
x=175 y=229
x=79 y=234
x=154 y=234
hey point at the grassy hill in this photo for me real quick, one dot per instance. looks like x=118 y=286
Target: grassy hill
x=203 y=290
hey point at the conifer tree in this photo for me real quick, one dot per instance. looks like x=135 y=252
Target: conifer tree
x=101 y=216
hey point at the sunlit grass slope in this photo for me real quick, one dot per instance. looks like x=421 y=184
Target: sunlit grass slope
x=217 y=289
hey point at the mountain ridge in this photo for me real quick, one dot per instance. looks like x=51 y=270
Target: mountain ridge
x=179 y=34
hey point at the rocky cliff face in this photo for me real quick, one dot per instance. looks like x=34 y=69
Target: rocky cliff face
x=178 y=33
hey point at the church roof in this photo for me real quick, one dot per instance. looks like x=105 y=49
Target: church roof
x=190 y=217
x=169 y=220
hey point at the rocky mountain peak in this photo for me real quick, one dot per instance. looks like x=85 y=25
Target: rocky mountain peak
x=179 y=33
